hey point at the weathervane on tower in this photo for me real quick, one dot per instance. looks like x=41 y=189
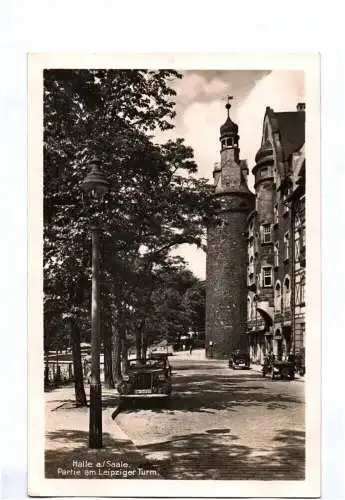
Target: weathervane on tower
x=228 y=105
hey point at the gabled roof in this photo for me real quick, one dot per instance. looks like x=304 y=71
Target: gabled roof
x=291 y=127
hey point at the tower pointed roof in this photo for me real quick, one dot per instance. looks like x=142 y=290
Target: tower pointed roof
x=229 y=127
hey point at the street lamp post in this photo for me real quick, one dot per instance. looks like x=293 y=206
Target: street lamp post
x=96 y=185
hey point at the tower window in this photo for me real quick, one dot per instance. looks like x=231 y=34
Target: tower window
x=227 y=142
x=267 y=272
x=266 y=233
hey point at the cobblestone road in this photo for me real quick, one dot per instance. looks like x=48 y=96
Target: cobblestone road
x=222 y=424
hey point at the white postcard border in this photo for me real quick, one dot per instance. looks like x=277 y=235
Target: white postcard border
x=40 y=486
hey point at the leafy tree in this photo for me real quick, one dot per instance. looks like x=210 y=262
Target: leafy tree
x=154 y=203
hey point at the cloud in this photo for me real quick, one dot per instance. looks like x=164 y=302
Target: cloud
x=195 y=85
x=200 y=113
x=280 y=90
x=200 y=124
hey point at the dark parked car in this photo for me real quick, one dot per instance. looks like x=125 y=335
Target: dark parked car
x=278 y=369
x=151 y=379
x=300 y=363
x=239 y=359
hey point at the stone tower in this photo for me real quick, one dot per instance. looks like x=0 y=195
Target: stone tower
x=226 y=265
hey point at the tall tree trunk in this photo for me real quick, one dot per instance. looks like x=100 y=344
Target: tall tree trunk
x=108 y=368
x=58 y=369
x=80 y=397
x=144 y=345
x=116 y=353
x=124 y=354
x=138 y=345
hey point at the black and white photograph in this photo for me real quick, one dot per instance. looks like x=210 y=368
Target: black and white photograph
x=174 y=331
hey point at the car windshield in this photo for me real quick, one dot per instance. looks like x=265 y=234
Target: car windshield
x=150 y=363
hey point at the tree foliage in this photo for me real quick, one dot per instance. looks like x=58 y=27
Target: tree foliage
x=154 y=204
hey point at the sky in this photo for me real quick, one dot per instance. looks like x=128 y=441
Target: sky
x=200 y=111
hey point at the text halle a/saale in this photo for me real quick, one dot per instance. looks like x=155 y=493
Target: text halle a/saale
x=84 y=464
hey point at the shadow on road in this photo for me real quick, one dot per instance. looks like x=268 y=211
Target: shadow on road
x=211 y=456
x=201 y=393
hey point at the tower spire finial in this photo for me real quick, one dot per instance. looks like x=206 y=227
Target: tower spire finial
x=228 y=105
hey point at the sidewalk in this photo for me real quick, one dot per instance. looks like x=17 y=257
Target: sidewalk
x=66 y=446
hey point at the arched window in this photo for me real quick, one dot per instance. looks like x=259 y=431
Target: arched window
x=277 y=297
x=286 y=293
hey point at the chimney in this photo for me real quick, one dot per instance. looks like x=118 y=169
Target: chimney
x=301 y=106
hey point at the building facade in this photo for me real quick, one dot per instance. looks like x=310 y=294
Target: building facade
x=276 y=239
x=226 y=263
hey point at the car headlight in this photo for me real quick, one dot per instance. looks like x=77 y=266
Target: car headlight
x=161 y=376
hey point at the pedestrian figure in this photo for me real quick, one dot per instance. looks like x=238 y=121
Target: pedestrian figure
x=191 y=345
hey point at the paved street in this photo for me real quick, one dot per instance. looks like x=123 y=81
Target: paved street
x=222 y=424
